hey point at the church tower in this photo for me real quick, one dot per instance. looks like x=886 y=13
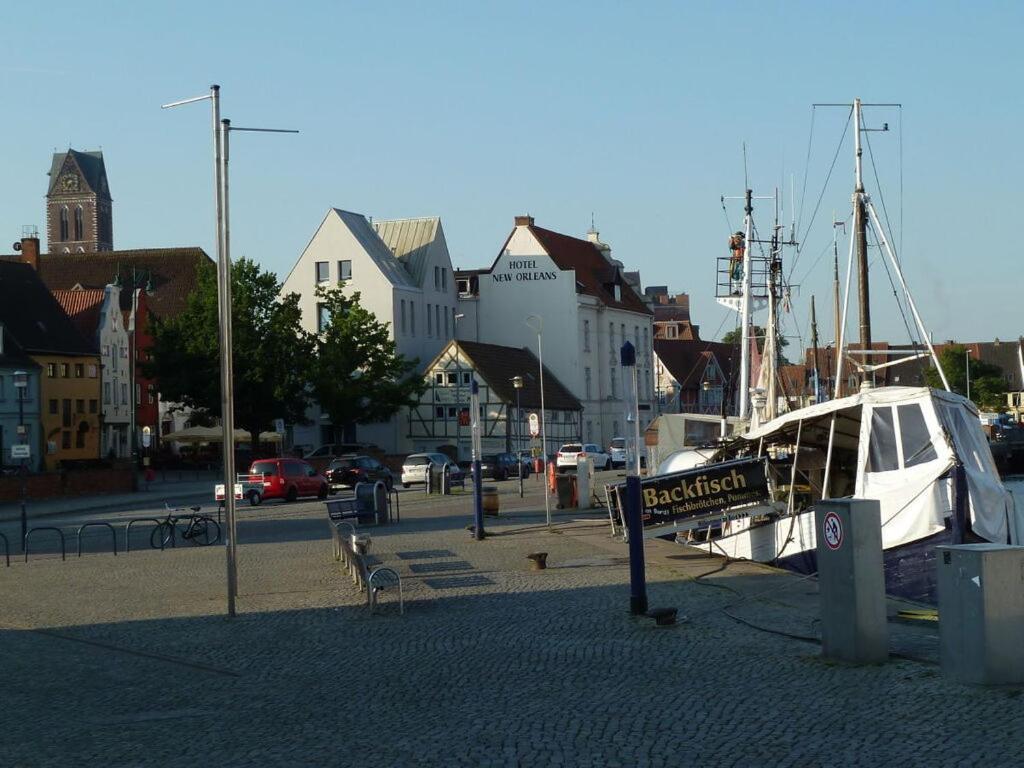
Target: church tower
x=78 y=205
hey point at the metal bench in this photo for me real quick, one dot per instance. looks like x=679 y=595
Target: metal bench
x=350 y=550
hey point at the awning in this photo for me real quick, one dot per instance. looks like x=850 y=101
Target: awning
x=215 y=435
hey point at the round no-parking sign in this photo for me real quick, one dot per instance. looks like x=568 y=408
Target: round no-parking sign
x=832 y=530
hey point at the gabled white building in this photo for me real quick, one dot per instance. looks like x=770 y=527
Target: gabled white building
x=587 y=310
x=403 y=273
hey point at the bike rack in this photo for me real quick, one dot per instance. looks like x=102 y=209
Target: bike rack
x=128 y=530
x=83 y=526
x=372 y=591
x=7 y=549
x=398 y=508
x=30 y=531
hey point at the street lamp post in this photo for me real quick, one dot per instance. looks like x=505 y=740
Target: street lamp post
x=21 y=384
x=221 y=131
x=539 y=328
x=458 y=387
x=632 y=496
x=967 y=357
x=517 y=382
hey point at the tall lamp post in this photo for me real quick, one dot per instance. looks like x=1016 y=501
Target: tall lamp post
x=221 y=131
x=458 y=387
x=967 y=357
x=517 y=382
x=21 y=384
x=537 y=323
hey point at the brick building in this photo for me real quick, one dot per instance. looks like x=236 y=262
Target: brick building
x=79 y=216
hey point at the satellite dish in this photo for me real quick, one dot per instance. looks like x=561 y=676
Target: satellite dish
x=17 y=246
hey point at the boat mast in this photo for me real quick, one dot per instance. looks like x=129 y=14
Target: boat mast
x=748 y=233
x=835 y=295
x=814 y=346
x=860 y=221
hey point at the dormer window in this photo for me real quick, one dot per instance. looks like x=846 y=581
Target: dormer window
x=617 y=292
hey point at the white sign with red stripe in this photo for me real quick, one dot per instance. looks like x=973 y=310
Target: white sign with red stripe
x=832 y=530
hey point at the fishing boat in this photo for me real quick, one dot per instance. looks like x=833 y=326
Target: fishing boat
x=919 y=452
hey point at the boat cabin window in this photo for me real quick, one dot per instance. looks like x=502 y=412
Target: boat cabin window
x=914 y=436
x=882 y=443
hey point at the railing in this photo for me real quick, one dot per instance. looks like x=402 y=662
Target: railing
x=58 y=531
x=389 y=577
x=113 y=534
x=133 y=521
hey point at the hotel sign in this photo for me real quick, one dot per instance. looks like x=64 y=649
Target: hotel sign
x=522 y=271
x=704 y=491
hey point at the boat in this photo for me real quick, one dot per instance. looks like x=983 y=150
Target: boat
x=919 y=452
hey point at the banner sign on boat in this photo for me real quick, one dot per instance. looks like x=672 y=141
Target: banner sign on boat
x=704 y=491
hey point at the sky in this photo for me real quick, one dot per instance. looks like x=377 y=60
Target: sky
x=637 y=116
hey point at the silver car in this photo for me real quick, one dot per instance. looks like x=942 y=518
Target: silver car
x=417 y=465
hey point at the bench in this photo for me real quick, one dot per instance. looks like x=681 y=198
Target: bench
x=350 y=550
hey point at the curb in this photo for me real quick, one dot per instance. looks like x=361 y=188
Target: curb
x=98 y=506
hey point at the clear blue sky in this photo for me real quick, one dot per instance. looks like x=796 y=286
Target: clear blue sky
x=479 y=111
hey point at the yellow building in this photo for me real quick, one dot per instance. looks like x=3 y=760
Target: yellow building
x=69 y=376
x=70 y=406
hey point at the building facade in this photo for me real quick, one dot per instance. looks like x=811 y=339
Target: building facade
x=402 y=270
x=19 y=406
x=442 y=419
x=570 y=297
x=79 y=211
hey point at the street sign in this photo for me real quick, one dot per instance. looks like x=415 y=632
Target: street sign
x=832 y=530
x=534 y=425
x=21 y=451
x=279 y=426
x=146 y=436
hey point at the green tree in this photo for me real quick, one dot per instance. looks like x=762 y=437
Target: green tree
x=735 y=336
x=356 y=373
x=988 y=385
x=270 y=351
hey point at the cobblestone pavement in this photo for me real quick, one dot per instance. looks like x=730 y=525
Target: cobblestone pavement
x=129 y=661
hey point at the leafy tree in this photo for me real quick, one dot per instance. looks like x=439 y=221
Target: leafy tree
x=735 y=336
x=988 y=385
x=270 y=350
x=356 y=373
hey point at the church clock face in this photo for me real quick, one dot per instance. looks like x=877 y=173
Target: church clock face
x=69 y=182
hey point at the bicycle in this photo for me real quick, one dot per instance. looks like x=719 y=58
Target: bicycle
x=201 y=530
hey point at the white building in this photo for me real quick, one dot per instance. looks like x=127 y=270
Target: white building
x=587 y=310
x=403 y=273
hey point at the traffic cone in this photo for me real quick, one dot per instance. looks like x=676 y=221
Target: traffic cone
x=552 y=483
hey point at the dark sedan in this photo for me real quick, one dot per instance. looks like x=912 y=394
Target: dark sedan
x=346 y=471
x=501 y=466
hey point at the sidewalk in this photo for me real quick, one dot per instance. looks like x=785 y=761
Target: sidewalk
x=152 y=495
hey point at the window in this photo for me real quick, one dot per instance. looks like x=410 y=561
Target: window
x=124 y=394
x=586 y=379
x=586 y=335
x=430 y=324
x=446 y=323
x=65 y=440
x=467 y=377
x=51 y=370
x=345 y=269
x=622 y=338
x=453 y=378
x=612 y=378
x=882 y=442
x=106 y=393
x=151 y=394
x=64 y=230
x=914 y=436
x=138 y=394
x=79 y=406
x=452 y=413
x=63 y=370
x=94 y=405
x=636 y=338
x=79 y=229
x=79 y=439
x=53 y=407
x=439 y=378
x=403 y=316
x=439 y=411
x=323 y=318
x=437 y=278
x=412 y=317
x=79 y=370
x=65 y=415
x=323 y=272
x=611 y=342
x=644 y=348
x=113 y=358
x=437 y=318
x=444 y=278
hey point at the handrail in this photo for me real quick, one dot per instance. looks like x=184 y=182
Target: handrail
x=7 y=549
x=128 y=530
x=83 y=526
x=30 y=531
x=398 y=506
x=372 y=590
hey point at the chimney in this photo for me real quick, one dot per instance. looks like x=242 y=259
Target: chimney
x=524 y=221
x=29 y=247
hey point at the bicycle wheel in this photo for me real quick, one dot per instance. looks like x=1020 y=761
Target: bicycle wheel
x=160 y=537
x=204 y=531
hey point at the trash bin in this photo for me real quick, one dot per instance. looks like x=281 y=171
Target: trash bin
x=566 y=490
x=489 y=494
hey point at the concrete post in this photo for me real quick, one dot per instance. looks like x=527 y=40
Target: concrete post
x=981 y=613
x=851 y=578
x=584 y=476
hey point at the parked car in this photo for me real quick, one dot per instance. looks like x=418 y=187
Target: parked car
x=289 y=479
x=346 y=471
x=321 y=457
x=618 y=452
x=500 y=466
x=416 y=466
x=568 y=453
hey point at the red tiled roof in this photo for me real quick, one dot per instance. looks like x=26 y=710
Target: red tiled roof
x=83 y=307
x=686 y=360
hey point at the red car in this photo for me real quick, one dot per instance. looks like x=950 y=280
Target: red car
x=288 y=479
